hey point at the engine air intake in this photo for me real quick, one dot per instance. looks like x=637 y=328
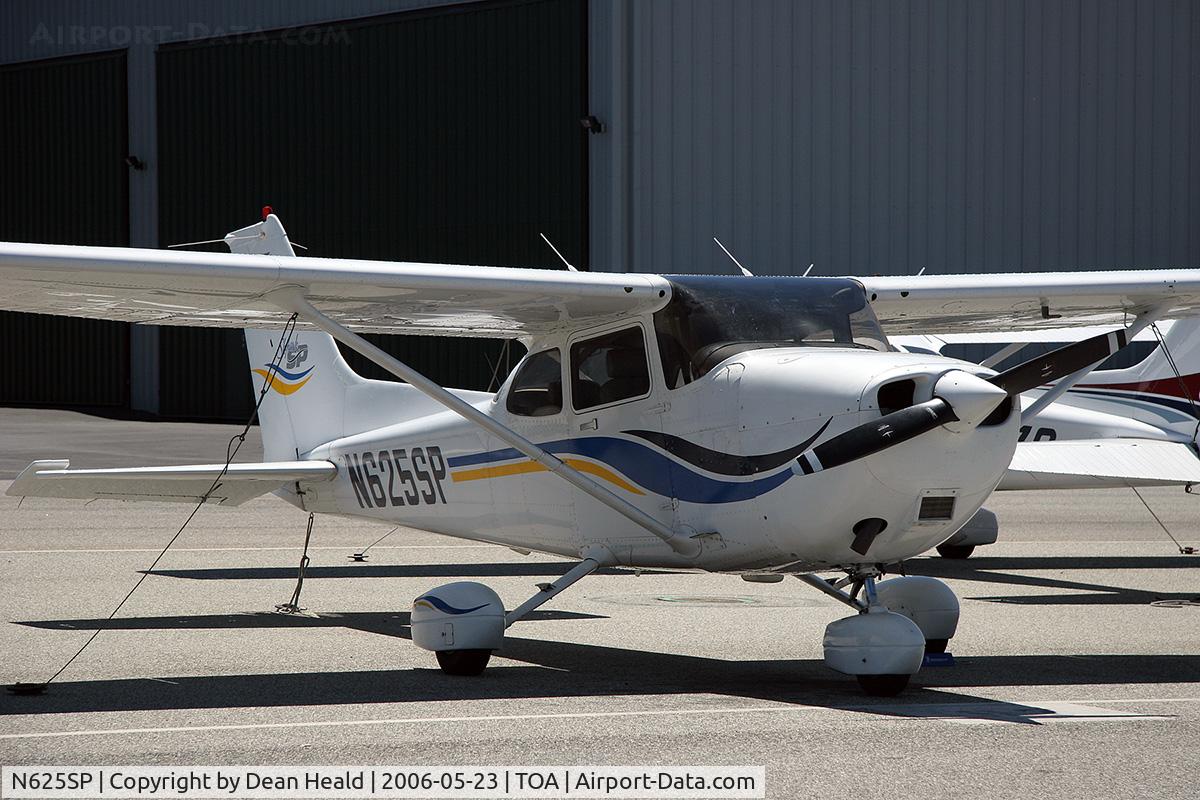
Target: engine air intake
x=896 y=395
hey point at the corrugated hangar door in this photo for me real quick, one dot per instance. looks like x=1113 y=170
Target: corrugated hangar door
x=447 y=135
x=63 y=180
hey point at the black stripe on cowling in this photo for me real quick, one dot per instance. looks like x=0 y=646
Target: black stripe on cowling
x=805 y=466
x=724 y=463
x=880 y=434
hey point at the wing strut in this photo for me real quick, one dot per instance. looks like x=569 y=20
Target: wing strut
x=292 y=300
x=1008 y=350
x=594 y=557
x=1143 y=321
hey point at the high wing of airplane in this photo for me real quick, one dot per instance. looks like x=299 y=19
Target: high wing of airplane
x=749 y=425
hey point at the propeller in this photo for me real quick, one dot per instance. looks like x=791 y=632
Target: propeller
x=1059 y=363
x=958 y=397
x=880 y=434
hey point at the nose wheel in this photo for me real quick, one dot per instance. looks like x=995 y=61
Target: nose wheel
x=898 y=622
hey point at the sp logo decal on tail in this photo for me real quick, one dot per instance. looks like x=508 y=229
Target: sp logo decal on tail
x=297 y=354
x=288 y=381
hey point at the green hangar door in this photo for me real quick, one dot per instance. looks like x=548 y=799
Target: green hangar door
x=446 y=135
x=63 y=180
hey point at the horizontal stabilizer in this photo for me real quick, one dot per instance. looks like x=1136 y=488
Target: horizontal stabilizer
x=183 y=484
x=1101 y=464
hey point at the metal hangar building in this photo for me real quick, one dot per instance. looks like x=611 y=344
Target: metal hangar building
x=864 y=136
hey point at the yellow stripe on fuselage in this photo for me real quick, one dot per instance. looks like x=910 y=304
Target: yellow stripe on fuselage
x=526 y=467
x=278 y=385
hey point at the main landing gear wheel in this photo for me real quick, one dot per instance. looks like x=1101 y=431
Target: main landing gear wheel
x=882 y=685
x=463 y=662
x=462 y=623
x=936 y=645
x=955 y=550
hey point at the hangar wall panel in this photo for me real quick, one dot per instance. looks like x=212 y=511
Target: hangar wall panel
x=882 y=136
x=41 y=29
x=60 y=186
x=447 y=135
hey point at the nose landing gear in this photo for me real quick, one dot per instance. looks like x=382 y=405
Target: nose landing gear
x=898 y=621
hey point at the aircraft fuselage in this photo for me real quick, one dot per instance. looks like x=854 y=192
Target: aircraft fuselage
x=717 y=456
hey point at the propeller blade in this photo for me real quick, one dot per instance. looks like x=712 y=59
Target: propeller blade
x=879 y=434
x=1059 y=363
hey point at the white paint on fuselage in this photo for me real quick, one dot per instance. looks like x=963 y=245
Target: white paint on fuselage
x=757 y=402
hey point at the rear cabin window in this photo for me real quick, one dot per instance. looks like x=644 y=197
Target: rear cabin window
x=536 y=389
x=609 y=368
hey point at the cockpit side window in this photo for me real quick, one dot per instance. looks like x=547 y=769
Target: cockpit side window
x=609 y=368
x=536 y=389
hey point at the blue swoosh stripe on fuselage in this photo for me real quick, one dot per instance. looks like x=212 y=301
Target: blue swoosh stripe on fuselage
x=646 y=467
x=290 y=376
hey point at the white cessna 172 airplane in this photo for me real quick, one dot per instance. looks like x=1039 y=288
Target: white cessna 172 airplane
x=757 y=426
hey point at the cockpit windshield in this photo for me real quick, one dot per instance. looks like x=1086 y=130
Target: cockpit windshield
x=711 y=318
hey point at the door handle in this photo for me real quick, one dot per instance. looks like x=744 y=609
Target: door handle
x=591 y=425
x=661 y=408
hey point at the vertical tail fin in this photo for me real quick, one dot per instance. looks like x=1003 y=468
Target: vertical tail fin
x=1162 y=389
x=1181 y=352
x=266 y=238
x=305 y=397
x=1183 y=344
x=313 y=396
x=306 y=380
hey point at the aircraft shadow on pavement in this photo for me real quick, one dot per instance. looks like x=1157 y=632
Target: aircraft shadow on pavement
x=499 y=569
x=388 y=623
x=997 y=570
x=1072 y=562
x=1001 y=570
x=547 y=669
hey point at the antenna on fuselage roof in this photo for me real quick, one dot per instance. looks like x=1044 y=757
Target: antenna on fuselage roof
x=560 y=255
x=810 y=266
x=745 y=271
